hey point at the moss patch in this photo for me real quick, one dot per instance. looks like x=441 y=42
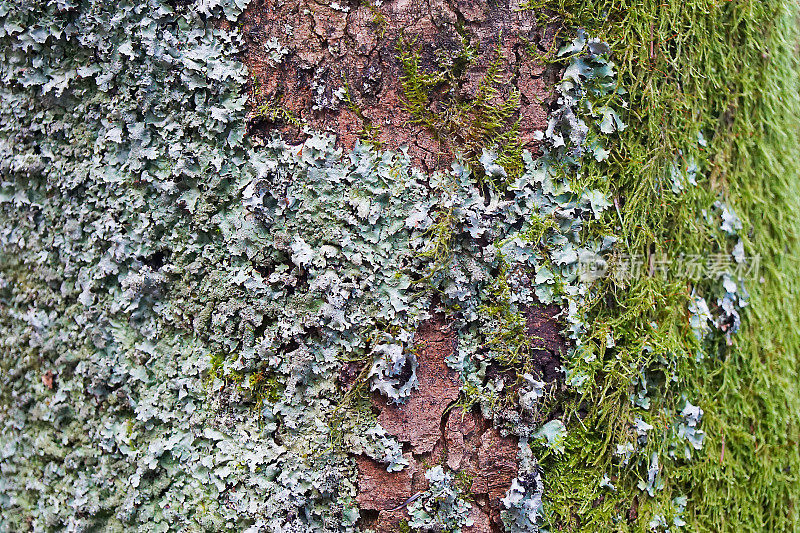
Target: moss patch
x=727 y=70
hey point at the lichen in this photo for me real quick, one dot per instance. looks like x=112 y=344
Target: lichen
x=440 y=508
x=201 y=291
x=205 y=292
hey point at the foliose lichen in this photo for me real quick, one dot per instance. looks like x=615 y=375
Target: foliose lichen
x=440 y=507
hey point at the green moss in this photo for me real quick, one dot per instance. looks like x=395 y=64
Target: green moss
x=510 y=340
x=463 y=482
x=272 y=109
x=539 y=227
x=369 y=131
x=440 y=238
x=378 y=18
x=466 y=126
x=266 y=387
x=728 y=69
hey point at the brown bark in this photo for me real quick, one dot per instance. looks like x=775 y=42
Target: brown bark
x=325 y=48
x=328 y=48
x=438 y=432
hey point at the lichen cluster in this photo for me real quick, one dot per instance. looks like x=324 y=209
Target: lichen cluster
x=177 y=304
x=122 y=148
x=357 y=249
x=440 y=507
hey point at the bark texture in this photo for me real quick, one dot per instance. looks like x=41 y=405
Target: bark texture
x=356 y=46
x=337 y=68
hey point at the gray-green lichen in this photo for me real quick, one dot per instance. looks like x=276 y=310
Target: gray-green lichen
x=523 y=501
x=440 y=507
x=122 y=149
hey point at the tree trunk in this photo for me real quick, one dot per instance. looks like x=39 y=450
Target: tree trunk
x=469 y=266
x=345 y=70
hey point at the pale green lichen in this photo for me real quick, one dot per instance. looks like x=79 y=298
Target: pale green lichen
x=523 y=501
x=203 y=294
x=440 y=508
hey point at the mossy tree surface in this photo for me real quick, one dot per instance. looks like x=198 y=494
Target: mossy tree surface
x=728 y=70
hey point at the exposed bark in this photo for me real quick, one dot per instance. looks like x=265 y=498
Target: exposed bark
x=325 y=49
x=328 y=48
x=419 y=420
x=545 y=331
x=436 y=431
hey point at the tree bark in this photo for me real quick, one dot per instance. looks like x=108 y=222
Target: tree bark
x=359 y=47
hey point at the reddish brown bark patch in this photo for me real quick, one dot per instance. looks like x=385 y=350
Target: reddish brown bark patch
x=481 y=523
x=380 y=490
x=436 y=432
x=419 y=420
x=486 y=458
x=49 y=379
x=349 y=374
x=318 y=49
